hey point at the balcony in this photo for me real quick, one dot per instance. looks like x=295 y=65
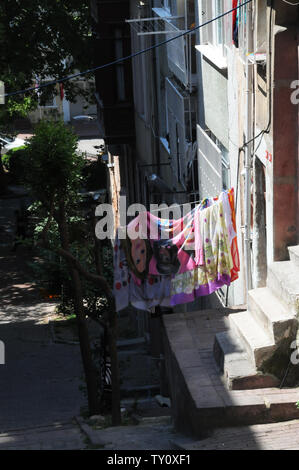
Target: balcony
x=166 y=25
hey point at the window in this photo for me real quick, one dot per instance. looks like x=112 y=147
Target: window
x=47 y=99
x=173 y=7
x=213 y=164
x=179 y=114
x=219 y=32
x=224 y=160
x=166 y=5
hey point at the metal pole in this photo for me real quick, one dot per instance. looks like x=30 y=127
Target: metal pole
x=248 y=151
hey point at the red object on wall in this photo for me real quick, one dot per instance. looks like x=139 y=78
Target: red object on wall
x=61 y=90
x=235 y=4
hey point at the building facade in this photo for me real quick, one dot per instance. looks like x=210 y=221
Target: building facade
x=202 y=112
x=215 y=108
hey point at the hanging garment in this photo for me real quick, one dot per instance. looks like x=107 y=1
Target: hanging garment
x=171 y=262
x=236 y=23
x=163 y=246
x=128 y=289
x=217 y=233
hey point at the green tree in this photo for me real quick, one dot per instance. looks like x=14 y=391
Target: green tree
x=41 y=39
x=44 y=39
x=53 y=174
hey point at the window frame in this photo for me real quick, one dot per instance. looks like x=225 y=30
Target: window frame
x=218 y=34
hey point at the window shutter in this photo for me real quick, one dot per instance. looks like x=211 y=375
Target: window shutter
x=177 y=104
x=209 y=165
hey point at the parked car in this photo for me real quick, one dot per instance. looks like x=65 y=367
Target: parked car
x=8 y=143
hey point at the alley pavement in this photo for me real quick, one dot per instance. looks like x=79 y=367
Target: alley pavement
x=42 y=389
x=42 y=385
x=41 y=381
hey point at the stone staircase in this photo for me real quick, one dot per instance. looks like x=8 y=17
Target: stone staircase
x=255 y=351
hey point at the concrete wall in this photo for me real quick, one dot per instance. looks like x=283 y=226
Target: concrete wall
x=215 y=100
x=235 y=94
x=285 y=143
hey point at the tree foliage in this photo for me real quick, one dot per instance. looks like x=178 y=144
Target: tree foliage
x=44 y=39
x=54 y=166
x=53 y=173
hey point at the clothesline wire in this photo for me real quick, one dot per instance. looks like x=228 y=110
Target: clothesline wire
x=176 y=205
x=131 y=56
x=179 y=205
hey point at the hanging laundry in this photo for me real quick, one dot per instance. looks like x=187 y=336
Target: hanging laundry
x=236 y=23
x=163 y=247
x=171 y=262
x=128 y=289
x=217 y=233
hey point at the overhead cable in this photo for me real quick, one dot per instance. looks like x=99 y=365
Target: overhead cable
x=122 y=59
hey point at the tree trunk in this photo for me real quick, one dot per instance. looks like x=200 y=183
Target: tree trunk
x=111 y=320
x=112 y=337
x=3 y=182
x=89 y=368
x=88 y=364
x=111 y=333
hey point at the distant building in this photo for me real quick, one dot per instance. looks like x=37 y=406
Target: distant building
x=58 y=106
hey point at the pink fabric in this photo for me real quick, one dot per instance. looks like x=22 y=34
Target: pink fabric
x=181 y=241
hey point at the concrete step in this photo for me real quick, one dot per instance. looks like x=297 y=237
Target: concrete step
x=200 y=400
x=132 y=343
x=258 y=345
x=294 y=254
x=140 y=391
x=271 y=314
x=238 y=371
x=269 y=436
x=282 y=280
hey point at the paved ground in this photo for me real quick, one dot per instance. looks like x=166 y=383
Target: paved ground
x=41 y=383
x=274 y=436
x=42 y=380
x=59 y=436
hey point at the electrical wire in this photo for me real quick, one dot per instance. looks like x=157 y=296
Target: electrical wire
x=290 y=3
x=122 y=59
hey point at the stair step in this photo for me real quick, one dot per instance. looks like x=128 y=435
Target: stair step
x=258 y=345
x=238 y=371
x=282 y=280
x=271 y=314
x=294 y=254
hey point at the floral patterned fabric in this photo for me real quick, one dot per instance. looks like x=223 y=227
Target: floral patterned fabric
x=196 y=261
x=216 y=270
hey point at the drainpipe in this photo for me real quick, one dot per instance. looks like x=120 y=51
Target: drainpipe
x=248 y=150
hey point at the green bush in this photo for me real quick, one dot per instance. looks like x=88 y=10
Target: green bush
x=13 y=162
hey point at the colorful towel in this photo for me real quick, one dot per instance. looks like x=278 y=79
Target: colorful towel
x=171 y=262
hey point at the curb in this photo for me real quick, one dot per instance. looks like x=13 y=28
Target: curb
x=60 y=341
x=90 y=433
